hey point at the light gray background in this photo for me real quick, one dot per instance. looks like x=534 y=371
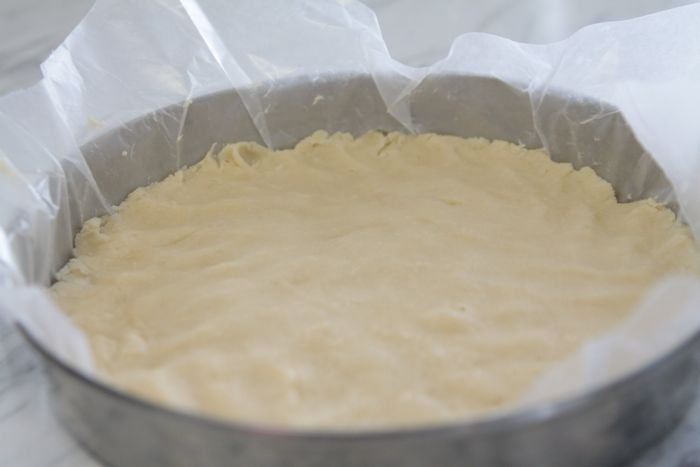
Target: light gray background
x=418 y=32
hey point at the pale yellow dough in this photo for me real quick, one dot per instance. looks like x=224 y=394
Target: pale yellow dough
x=383 y=280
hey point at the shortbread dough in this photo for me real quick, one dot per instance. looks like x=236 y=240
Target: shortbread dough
x=383 y=280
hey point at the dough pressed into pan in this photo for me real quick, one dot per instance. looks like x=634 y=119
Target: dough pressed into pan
x=376 y=281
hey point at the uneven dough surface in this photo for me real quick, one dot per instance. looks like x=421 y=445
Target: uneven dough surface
x=383 y=280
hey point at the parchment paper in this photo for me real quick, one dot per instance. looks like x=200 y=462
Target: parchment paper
x=130 y=57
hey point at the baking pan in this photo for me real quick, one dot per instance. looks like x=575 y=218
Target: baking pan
x=604 y=426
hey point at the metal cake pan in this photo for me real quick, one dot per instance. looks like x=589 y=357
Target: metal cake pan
x=603 y=427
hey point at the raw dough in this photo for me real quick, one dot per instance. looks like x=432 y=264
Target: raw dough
x=383 y=280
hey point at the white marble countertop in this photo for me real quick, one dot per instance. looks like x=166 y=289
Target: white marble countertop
x=417 y=33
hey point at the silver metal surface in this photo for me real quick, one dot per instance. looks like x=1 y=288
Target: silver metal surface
x=604 y=427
